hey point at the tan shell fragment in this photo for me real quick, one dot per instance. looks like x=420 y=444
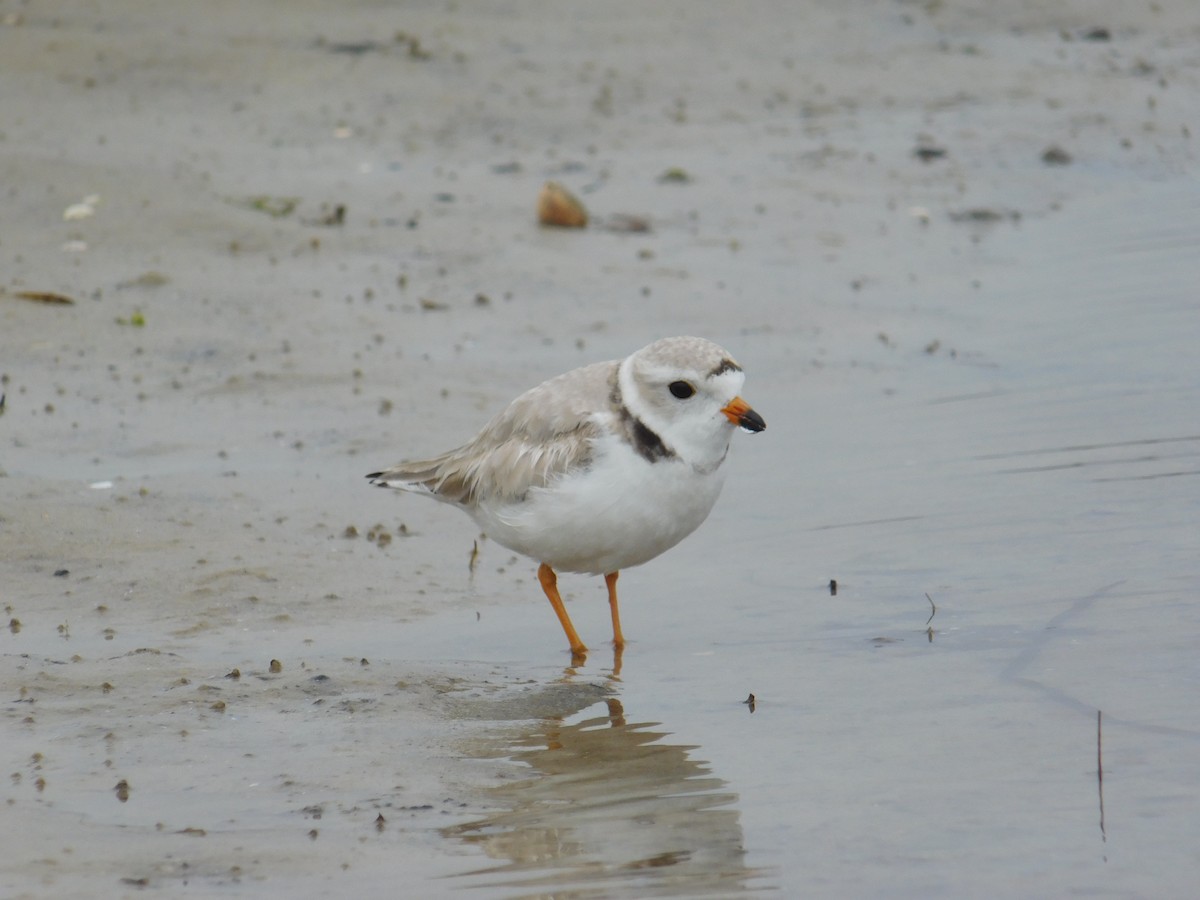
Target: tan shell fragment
x=557 y=206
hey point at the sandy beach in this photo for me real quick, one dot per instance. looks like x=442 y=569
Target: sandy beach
x=250 y=252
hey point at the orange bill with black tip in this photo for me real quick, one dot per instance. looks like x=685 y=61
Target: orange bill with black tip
x=739 y=412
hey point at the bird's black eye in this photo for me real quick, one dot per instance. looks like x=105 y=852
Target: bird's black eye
x=681 y=389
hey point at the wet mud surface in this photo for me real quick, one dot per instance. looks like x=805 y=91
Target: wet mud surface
x=254 y=252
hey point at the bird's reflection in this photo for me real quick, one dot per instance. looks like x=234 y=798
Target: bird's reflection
x=579 y=661
x=610 y=803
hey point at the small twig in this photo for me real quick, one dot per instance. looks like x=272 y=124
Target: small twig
x=1100 y=772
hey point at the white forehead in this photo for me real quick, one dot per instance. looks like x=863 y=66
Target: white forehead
x=728 y=383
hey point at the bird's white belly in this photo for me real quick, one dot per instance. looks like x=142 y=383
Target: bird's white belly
x=621 y=512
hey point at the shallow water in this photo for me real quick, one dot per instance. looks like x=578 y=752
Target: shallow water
x=608 y=804
x=978 y=375
x=1015 y=549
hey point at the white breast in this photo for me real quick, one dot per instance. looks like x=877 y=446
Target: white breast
x=620 y=512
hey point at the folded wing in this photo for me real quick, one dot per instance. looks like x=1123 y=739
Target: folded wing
x=544 y=433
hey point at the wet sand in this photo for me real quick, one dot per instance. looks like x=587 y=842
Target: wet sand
x=954 y=249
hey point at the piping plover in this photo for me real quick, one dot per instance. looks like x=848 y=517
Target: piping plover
x=602 y=468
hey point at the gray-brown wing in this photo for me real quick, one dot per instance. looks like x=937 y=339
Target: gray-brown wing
x=543 y=433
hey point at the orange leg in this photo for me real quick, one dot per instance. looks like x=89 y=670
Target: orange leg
x=611 y=580
x=549 y=583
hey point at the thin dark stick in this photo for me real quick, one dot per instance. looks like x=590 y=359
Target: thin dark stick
x=1100 y=772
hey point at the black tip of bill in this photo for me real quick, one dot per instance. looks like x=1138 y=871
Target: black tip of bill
x=751 y=422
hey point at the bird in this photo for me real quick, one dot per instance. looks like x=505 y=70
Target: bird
x=599 y=469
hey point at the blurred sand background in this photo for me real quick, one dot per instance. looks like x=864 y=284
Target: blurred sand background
x=299 y=244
